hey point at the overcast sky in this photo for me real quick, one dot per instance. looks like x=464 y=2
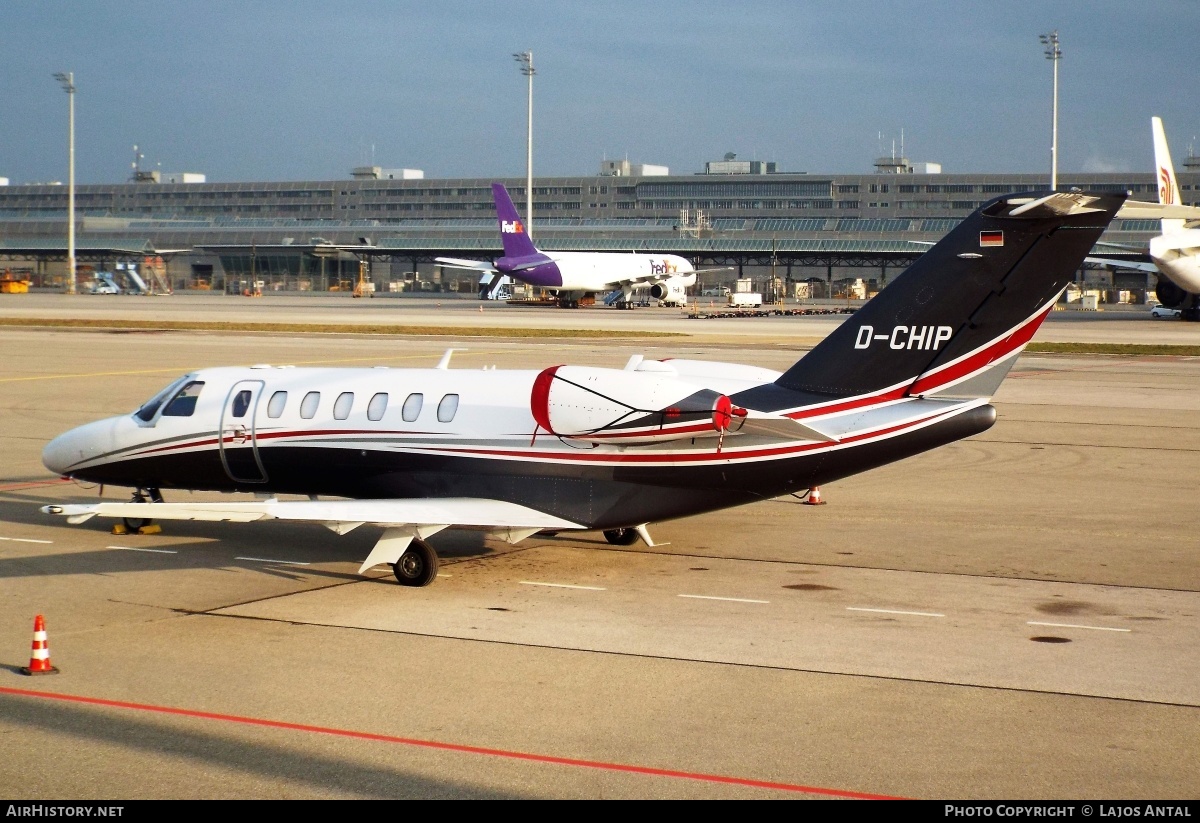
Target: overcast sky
x=260 y=90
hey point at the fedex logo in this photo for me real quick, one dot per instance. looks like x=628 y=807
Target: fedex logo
x=662 y=268
x=511 y=227
x=924 y=338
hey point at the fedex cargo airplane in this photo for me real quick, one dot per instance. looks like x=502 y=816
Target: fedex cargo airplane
x=573 y=274
x=515 y=452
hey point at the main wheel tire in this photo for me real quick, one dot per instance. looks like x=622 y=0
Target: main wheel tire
x=621 y=537
x=418 y=566
x=132 y=524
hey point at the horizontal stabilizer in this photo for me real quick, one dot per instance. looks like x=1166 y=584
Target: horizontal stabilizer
x=780 y=427
x=1058 y=204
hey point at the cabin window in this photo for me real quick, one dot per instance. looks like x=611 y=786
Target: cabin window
x=241 y=403
x=308 y=406
x=276 y=404
x=341 y=406
x=148 y=409
x=377 y=406
x=412 y=407
x=184 y=401
x=447 y=408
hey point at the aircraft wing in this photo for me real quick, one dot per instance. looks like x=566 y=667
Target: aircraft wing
x=403 y=519
x=1117 y=262
x=474 y=265
x=1135 y=210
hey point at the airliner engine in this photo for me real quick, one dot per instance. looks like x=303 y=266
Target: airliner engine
x=624 y=407
x=672 y=287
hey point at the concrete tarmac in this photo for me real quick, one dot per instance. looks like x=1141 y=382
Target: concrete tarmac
x=1013 y=616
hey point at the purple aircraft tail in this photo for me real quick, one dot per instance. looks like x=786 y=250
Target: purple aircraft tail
x=512 y=228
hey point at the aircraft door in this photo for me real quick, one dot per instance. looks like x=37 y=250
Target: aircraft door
x=239 y=436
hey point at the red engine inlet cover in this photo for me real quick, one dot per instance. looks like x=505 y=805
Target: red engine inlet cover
x=539 y=399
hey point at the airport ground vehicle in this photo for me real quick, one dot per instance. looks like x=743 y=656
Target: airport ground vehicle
x=1161 y=311
x=745 y=300
x=104 y=284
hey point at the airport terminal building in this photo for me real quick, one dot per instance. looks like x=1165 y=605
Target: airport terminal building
x=764 y=224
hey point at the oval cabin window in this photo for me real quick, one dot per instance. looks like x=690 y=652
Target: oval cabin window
x=377 y=406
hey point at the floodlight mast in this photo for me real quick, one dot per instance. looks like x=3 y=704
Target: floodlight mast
x=67 y=80
x=525 y=58
x=1053 y=54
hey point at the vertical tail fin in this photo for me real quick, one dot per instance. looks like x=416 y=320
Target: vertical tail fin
x=1168 y=186
x=953 y=322
x=512 y=228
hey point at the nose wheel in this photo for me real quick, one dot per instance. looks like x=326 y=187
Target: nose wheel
x=150 y=495
x=418 y=566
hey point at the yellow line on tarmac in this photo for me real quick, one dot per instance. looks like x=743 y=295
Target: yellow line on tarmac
x=182 y=371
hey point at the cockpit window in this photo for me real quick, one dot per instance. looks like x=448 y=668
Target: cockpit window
x=184 y=402
x=150 y=407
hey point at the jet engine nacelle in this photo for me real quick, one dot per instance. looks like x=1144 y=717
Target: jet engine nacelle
x=626 y=407
x=1176 y=256
x=672 y=287
x=1169 y=294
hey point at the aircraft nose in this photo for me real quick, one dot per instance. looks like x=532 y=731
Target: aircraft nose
x=67 y=451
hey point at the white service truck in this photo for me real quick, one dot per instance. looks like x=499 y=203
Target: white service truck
x=745 y=300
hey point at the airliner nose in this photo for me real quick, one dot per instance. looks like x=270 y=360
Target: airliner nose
x=67 y=451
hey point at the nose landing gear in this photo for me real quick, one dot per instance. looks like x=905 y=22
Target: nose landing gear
x=150 y=495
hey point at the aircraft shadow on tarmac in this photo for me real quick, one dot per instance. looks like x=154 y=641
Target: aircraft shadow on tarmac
x=325 y=776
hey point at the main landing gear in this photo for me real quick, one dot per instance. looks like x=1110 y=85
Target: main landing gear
x=151 y=495
x=621 y=537
x=418 y=566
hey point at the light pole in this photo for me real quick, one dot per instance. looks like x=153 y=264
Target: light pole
x=525 y=58
x=1053 y=54
x=68 y=83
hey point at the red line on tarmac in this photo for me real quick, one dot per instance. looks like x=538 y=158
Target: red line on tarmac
x=453 y=747
x=35 y=483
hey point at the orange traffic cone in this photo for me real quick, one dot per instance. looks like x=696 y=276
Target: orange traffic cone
x=814 y=497
x=39 y=659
